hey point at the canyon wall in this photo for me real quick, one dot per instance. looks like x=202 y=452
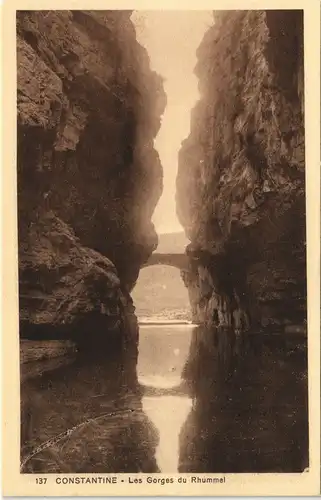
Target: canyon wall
x=89 y=178
x=241 y=178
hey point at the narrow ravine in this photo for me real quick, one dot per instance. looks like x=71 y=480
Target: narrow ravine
x=101 y=175
x=169 y=37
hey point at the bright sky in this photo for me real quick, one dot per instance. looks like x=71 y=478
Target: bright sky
x=171 y=39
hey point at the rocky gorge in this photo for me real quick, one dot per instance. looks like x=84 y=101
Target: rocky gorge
x=89 y=178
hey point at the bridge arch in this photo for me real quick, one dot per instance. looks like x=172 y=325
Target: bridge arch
x=178 y=260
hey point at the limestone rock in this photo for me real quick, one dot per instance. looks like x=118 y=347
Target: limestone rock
x=89 y=178
x=61 y=281
x=241 y=180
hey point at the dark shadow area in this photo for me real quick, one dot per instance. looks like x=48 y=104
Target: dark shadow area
x=85 y=418
x=250 y=405
x=249 y=408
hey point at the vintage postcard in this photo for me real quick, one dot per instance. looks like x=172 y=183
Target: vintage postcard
x=161 y=214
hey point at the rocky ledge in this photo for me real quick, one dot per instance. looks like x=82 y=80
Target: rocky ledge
x=241 y=179
x=88 y=109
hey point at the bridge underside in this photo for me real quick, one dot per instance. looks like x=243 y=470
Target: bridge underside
x=177 y=260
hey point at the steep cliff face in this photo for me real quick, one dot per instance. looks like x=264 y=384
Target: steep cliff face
x=241 y=179
x=89 y=178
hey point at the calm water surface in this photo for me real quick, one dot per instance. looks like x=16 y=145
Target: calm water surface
x=205 y=404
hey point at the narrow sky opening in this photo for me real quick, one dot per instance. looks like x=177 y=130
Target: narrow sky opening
x=171 y=39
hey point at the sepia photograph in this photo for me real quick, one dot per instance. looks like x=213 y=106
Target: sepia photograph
x=162 y=243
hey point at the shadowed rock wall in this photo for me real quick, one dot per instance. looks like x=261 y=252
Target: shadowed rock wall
x=241 y=178
x=88 y=109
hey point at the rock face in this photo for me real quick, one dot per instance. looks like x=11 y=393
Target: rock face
x=88 y=109
x=241 y=179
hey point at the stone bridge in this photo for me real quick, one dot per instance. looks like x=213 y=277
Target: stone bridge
x=179 y=260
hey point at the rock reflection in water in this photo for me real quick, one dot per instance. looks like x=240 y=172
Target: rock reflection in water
x=206 y=402
x=250 y=411
x=108 y=429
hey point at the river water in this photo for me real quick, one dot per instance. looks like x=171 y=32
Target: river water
x=205 y=404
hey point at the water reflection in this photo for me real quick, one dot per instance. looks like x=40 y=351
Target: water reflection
x=205 y=401
x=163 y=351
x=89 y=420
x=250 y=411
x=166 y=400
x=168 y=414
